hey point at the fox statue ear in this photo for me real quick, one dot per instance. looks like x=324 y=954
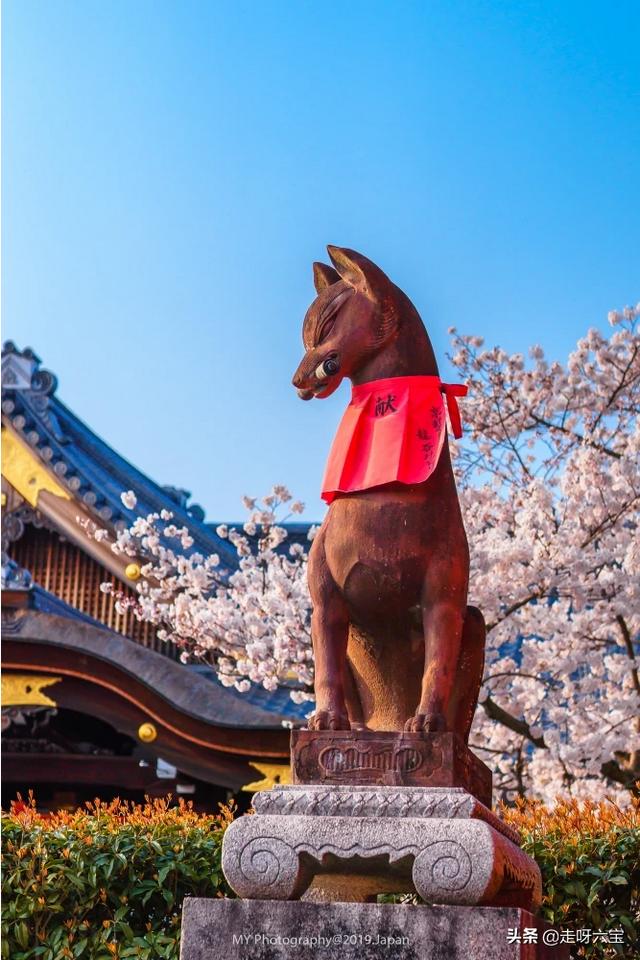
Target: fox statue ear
x=324 y=276
x=359 y=272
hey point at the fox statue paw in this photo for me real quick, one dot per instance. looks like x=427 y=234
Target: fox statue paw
x=329 y=720
x=426 y=723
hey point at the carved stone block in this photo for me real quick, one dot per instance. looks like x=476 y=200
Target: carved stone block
x=354 y=843
x=388 y=759
x=342 y=801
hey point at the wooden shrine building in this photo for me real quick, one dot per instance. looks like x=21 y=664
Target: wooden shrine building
x=93 y=703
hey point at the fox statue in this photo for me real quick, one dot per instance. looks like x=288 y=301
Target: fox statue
x=395 y=645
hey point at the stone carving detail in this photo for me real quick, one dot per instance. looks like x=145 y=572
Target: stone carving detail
x=444 y=865
x=271 y=864
x=448 y=803
x=404 y=760
x=456 y=859
x=359 y=801
x=374 y=758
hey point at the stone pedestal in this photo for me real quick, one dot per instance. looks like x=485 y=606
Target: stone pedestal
x=371 y=813
x=354 y=842
x=271 y=930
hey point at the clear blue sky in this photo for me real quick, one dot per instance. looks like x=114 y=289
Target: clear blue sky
x=171 y=170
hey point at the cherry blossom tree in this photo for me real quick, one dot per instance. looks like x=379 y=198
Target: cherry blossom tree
x=550 y=487
x=549 y=481
x=251 y=624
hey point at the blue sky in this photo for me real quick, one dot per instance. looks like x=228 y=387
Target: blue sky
x=172 y=169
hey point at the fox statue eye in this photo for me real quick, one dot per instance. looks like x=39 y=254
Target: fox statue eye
x=329 y=315
x=326 y=329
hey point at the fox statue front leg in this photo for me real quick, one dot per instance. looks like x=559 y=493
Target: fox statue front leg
x=330 y=635
x=443 y=624
x=444 y=609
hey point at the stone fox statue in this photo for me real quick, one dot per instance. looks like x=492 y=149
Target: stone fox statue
x=395 y=644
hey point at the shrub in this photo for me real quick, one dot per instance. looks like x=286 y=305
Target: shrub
x=105 y=882
x=589 y=856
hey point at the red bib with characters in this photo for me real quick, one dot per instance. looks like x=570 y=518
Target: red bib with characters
x=392 y=431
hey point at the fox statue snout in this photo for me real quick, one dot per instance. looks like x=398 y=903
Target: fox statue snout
x=346 y=327
x=314 y=382
x=395 y=644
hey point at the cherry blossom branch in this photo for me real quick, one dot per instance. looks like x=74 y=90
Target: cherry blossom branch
x=628 y=643
x=521 y=727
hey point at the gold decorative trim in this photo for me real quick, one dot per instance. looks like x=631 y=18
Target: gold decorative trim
x=147 y=732
x=132 y=571
x=159 y=718
x=25 y=690
x=24 y=471
x=273 y=774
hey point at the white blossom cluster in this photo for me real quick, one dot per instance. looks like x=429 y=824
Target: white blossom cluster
x=252 y=625
x=550 y=485
x=549 y=481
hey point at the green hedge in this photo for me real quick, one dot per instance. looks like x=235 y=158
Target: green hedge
x=589 y=856
x=108 y=881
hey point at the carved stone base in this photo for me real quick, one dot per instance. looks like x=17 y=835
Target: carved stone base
x=368 y=758
x=352 y=843
x=267 y=930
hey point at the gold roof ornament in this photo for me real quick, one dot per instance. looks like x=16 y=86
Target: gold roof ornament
x=147 y=732
x=25 y=690
x=272 y=773
x=132 y=571
x=24 y=471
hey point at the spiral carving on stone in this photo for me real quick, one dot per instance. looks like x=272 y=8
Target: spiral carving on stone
x=442 y=867
x=268 y=867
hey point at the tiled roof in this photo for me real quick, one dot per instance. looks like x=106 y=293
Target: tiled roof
x=83 y=462
x=96 y=475
x=94 y=472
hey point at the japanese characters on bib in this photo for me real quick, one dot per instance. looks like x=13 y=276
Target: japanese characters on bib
x=392 y=431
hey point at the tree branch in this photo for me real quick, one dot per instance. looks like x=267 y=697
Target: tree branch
x=626 y=636
x=628 y=778
x=542 y=422
x=495 y=712
x=515 y=607
x=611 y=769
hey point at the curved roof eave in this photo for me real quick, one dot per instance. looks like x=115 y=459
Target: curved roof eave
x=186 y=690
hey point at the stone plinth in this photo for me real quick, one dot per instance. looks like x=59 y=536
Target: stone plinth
x=269 y=930
x=368 y=758
x=352 y=843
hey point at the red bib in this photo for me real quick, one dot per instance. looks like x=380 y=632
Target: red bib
x=392 y=431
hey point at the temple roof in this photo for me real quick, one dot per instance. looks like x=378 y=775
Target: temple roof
x=93 y=472
x=92 y=476
x=246 y=708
